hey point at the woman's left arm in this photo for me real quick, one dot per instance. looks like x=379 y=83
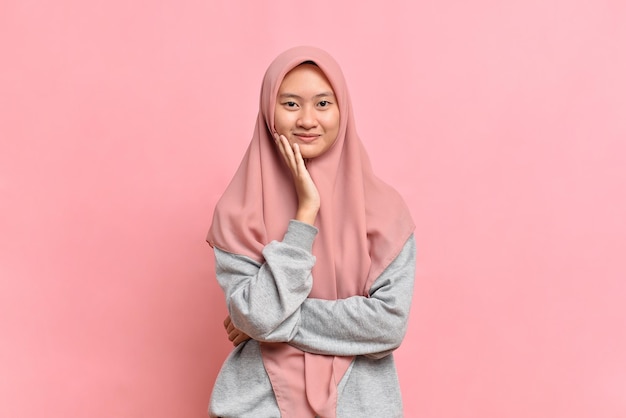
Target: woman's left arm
x=359 y=325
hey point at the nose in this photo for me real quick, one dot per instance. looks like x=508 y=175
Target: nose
x=307 y=119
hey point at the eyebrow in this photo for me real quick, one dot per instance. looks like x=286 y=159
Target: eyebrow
x=295 y=96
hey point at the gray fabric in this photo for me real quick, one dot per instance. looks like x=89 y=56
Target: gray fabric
x=269 y=302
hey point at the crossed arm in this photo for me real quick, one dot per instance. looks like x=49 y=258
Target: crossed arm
x=269 y=301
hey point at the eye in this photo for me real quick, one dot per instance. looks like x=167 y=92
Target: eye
x=290 y=104
x=324 y=103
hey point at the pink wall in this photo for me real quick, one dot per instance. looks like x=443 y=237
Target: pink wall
x=503 y=124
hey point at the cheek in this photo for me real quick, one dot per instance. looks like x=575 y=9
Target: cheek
x=281 y=120
x=332 y=122
x=332 y=129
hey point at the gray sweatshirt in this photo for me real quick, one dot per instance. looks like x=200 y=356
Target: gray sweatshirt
x=270 y=302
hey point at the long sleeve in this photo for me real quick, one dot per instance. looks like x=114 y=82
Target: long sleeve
x=270 y=302
x=359 y=325
x=264 y=300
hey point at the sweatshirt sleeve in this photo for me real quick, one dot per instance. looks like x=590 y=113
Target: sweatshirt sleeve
x=264 y=300
x=373 y=326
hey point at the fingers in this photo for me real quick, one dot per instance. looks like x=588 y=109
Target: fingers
x=300 y=166
x=228 y=325
x=230 y=328
x=287 y=151
x=237 y=337
x=234 y=335
x=308 y=195
x=241 y=337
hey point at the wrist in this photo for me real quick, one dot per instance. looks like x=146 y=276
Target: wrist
x=307 y=215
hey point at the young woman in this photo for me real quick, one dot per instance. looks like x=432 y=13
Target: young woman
x=315 y=255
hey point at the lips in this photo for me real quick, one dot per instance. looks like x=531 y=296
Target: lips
x=307 y=137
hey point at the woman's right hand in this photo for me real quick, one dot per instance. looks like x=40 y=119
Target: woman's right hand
x=308 y=196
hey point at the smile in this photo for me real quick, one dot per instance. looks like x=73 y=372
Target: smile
x=307 y=137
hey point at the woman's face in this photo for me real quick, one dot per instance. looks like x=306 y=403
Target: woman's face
x=306 y=110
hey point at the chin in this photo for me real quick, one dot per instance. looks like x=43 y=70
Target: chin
x=309 y=155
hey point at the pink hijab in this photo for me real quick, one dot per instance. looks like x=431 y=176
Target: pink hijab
x=363 y=224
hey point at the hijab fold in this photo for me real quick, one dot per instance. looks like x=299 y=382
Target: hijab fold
x=363 y=224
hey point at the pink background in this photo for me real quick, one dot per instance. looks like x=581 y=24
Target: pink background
x=502 y=123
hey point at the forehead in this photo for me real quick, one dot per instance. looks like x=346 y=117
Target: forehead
x=305 y=77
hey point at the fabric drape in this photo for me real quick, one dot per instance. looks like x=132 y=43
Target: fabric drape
x=363 y=224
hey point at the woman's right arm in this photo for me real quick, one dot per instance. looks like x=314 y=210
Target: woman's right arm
x=264 y=300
